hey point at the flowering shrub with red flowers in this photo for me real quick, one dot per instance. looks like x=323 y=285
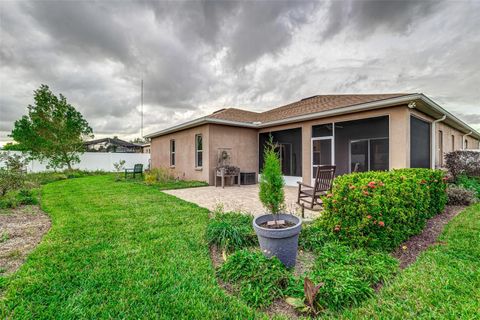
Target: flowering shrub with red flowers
x=379 y=209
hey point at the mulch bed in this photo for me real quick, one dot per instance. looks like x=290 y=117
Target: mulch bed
x=21 y=229
x=408 y=251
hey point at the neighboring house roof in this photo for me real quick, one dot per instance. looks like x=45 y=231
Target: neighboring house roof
x=318 y=107
x=114 y=141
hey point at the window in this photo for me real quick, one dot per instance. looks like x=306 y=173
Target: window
x=198 y=151
x=369 y=154
x=453 y=142
x=172 y=153
x=419 y=143
x=466 y=144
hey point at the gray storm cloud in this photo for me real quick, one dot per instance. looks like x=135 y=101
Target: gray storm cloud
x=198 y=56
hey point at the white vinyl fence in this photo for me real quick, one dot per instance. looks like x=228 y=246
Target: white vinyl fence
x=92 y=161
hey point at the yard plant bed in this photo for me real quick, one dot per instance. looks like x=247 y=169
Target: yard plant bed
x=408 y=251
x=21 y=229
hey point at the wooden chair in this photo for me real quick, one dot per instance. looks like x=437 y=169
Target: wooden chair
x=137 y=169
x=310 y=195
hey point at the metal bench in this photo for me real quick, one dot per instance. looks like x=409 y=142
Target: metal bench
x=137 y=169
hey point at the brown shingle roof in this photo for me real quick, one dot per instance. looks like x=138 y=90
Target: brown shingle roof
x=303 y=107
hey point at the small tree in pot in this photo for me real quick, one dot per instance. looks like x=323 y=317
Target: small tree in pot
x=277 y=232
x=271 y=193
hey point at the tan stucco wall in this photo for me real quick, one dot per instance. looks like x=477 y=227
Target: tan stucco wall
x=448 y=132
x=243 y=143
x=184 y=153
x=398 y=132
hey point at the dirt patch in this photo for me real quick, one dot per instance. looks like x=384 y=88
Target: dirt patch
x=278 y=307
x=408 y=251
x=21 y=229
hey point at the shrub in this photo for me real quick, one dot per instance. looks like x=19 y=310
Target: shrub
x=348 y=275
x=458 y=195
x=257 y=279
x=271 y=193
x=17 y=198
x=231 y=231
x=472 y=183
x=313 y=236
x=463 y=162
x=10 y=180
x=161 y=175
x=382 y=209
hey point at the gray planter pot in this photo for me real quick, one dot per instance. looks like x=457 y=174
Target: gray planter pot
x=282 y=243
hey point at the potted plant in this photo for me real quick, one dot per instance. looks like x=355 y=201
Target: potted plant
x=277 y=232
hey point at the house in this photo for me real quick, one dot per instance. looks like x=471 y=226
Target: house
x=112 y=145
x=355 y=132
x=146 y=148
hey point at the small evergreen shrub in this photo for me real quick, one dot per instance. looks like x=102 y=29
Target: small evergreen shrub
x=231 y=231
x=257 y=279
x=458 y=195
x=380 y=210
x=271 y=193
x=463 y=162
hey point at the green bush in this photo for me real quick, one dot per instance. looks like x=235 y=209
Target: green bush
x=313 y=236
x=231 y=231
x=271 y=193
x=10 y=180
x=348 y=275
x=161 y=175
x=17 y=198
x=472 y=183
x=382 y=209
x=257 y=279
x=459 y=195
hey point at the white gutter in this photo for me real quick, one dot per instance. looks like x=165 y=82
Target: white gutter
x=434 y=144
x=463 y=139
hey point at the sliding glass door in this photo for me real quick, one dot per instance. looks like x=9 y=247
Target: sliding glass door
x=322 y=153
x=369 y=154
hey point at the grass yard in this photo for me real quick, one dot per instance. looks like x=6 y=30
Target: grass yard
x=442 y=284
x=118 y=250
x=126 y=250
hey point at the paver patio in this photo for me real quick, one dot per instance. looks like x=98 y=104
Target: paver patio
x=235 y=198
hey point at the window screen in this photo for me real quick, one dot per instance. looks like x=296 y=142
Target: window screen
x=419 y=143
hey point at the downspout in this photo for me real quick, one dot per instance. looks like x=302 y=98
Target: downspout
x=434 y=134
x=463 y=139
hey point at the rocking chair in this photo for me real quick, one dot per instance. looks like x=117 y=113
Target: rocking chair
x=310 y=195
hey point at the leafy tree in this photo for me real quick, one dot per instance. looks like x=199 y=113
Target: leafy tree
x=271 y=193
x=53 y=130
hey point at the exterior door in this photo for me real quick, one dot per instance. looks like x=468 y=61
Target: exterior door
x=322 y=153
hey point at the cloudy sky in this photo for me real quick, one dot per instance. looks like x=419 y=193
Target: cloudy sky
x=199 y=56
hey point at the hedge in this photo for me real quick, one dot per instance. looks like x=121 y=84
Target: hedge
x=380 y=209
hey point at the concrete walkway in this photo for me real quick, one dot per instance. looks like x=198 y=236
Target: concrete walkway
x=235 y=198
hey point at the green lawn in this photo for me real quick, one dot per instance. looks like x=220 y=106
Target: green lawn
x=126 y=250
x=444 y=283
x=118 y=250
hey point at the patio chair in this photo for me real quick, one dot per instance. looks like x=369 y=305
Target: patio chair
x=310 y=195
x=137 y=169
